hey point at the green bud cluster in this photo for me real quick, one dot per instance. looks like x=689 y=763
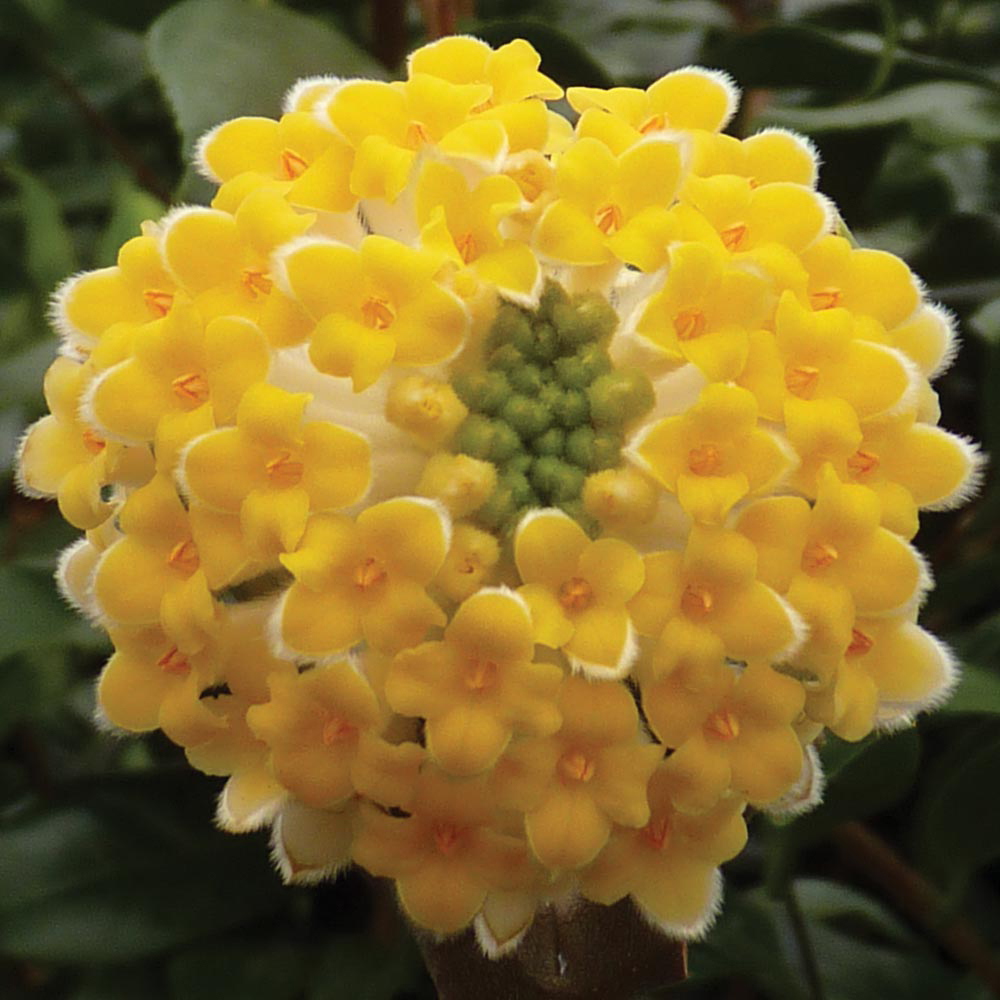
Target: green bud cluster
x=549 y=407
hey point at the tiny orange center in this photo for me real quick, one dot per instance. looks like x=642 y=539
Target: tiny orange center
x=704 y=460
x=723 y=725
x=654 y=123
x=529 y=179
x=860 y=643
x=824 y=298
x=689 y=323
x=338 y=730
x=369 y=574
x=800 y=380
x=174 y=662
x=190 y=388
x=284 y=470
x=469 y=565
x=480 y=674
x=696 y=601
x=656 y=832
x=734 y=236
x=377 y=313
x=292 y=165
x=576 y=594
x=416 y=135
x=256 y=282
x=447 y=837
x=754 y=183
x=158 y=302
x=466 y=247
x=576 y=766
x=609 y=219
x=819 y=555
x=93 y=441
x=862 y=462
x=184 y=556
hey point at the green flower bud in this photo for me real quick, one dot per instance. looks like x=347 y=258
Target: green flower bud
x=522 y=494
x=483 y=391
x=556 y=480
x=498 y=511
x=527 y=379
x=552 y=442
x=580 y=446
x=506 y=358
x=526 y=415
x=572 y=373
x=607 y=450
x=595 y=315
x=475 y=436
x=571 y=409
x=619 y=397
x=578 y=512
x=506 y=442
x=595 y=360
x=509 y=324
x=521 y=462
x=552 y=295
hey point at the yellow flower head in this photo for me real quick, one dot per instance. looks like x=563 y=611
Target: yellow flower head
x=452 y=433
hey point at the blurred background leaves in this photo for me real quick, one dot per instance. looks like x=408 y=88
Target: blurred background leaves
x=114 y=884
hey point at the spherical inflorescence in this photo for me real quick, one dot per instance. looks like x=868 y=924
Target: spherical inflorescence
x=493 y=498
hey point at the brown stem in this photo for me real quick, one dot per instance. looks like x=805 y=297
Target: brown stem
x=919 y=900
x=441 y=16
x=605 y=952
x=389 y=31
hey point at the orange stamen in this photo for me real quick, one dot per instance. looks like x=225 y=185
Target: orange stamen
x=704 y=460
x=800 y=380
x=723 y=725
x=284 y=471
x=656 y=832
x=529 y=179
x=654 y=123
x=190 y=388
x=754 y=183
x=480 y=674
x=447 y=837
x=369 y=574
x=825 y=298
x=466 y=247
x=862 y=462
x=292 y=165
x=696 y=601
x=609 y=219
x=416 y=135
x=158 y=302
x=338 y=730
x=93 y=441
x=377 y=313
x=860 y=643
x=819 y=555
x=184 y=556
x=256 y=282
x=174 y=662
x=689 y=324
x=733 y=236
x=576 y=594
x=576 y=766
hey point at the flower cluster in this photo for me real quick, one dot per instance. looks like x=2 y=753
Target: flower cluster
x=501 y=502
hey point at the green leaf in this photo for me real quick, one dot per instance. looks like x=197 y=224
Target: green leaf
x=942 y=114
x=49 y=253
x=248 y=967
x=218 y=59
x=363 y=968
x=956 y=821
x=978 y=691
x=986 y=321
x=127 y=866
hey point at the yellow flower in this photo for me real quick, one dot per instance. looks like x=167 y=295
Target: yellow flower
x=365 y=579
x=605 y=204
x=177 y=364
x=705 y=311
x=713 y=585
x=577 y=590
x=767 y=157
x=311 y=162
x=669 y=867
x=574 y=785
x=714 y=454
x=461 y=223
x=372 y=306
x=445 y=855
x=274 y=468
x=477 y=687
